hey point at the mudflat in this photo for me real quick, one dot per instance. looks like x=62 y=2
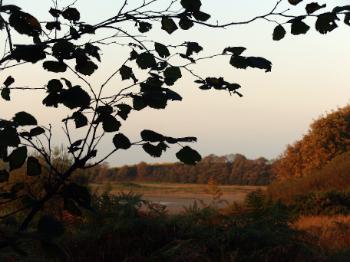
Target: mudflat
x=177 y=196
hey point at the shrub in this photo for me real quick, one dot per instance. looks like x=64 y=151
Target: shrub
x=323 y=203
x=327 y=138
x=333 y=176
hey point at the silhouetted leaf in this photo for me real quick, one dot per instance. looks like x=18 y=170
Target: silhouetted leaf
x=156 y=100
x=259 y=62
x=133 y=55
x=86 y=28
x=75 y=97
x=294 y=2
x=77 y=143
x=313 y=7
x=172 y=140
x=110 y=124
x=279 y=33
x=188 y=156
x=71 y=14
x=168 y=25
x=79 y=119
x=205 y=87
x=171 y=95
x=17 y=157
x=326 y=23
x=4 y=176
x=139 y=103
x=24 y=119
x=299 y=27
x=9 y=8
x=36 y=131
x=201 y=16
x=5 y=94
x=25 y=23
x=124 y=110
x=52 y=99
x=50 y=227
x=219 y=84
x=104 y=110
x=191 y=5
x=55 y=66
x=75 y=146
x=63 y=50
x=55 y=12
x=347 y=19
x=55 y=25
x=127 y=73
x=85 y=67
x=9 y=137
x=146 y=60
x=33 y=167
x=29 y=53
x=185 y=23
x=239 y=62
x=162 y=50
x=193 y=47
x=151 y=136
x=93 y=51
x=339 y=9
x=74 y=33
x=172 y=74
x=54 y=86
x=234 y=50
x=83 y=161
x=9 y=81
x=154 y=151
x=153 y=84
x=144 y=27
x=120 y=141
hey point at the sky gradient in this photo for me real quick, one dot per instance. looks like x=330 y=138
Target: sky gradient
x=310 y=77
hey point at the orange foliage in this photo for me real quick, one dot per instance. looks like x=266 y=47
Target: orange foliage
x=334 y=176
x=327 y=137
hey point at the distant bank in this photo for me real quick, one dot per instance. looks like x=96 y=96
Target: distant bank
x=234 y=169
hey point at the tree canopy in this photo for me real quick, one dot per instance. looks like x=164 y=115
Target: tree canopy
x=328 y=137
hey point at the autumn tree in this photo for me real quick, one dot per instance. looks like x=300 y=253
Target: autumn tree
x=328 y=137
x=73 y=49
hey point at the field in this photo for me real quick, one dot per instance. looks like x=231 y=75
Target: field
x=178 y=196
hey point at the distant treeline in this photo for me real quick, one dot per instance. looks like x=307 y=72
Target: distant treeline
x=231 y=170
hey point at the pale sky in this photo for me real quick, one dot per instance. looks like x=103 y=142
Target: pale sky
x=310 y=77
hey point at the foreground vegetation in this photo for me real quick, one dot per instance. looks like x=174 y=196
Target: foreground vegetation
x=124 y=227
